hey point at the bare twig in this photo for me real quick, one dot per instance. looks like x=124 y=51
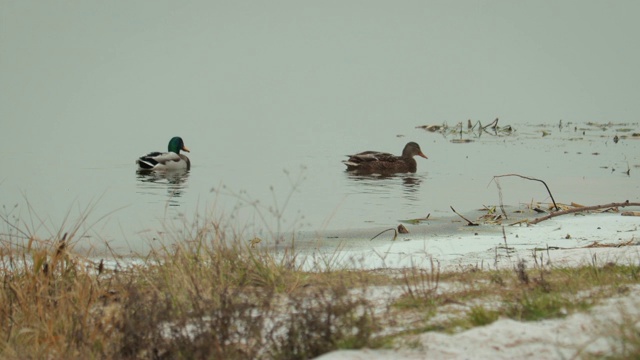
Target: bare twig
x=534 y=179
x=395 y=233
x=506 y=247
x=493 y=124
x=469 y=222
x=500 y=198
x=581 y=209
x=519 y=222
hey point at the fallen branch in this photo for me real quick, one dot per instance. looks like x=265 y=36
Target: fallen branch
x=469 y=222
x=529 y=178
x=581 y=209
x=597 y=244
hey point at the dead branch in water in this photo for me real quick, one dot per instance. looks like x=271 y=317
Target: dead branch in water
x=528 y=178
x=493 y=125
x=469 y=222
x=504 y=213
x=581 y=209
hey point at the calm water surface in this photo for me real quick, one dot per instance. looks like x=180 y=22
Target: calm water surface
x=287 y=185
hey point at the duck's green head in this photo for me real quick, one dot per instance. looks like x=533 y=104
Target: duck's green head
x=176 y=144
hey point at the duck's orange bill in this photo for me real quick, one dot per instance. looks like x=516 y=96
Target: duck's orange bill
x=423 y=155
x=184 y=148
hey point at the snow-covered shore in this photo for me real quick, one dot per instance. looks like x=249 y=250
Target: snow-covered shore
x=560 y=242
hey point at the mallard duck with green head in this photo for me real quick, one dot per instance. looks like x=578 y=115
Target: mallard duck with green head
x=171 y=160
x=376 y=162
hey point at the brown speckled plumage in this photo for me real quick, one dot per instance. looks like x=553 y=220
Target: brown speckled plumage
x=375 y=162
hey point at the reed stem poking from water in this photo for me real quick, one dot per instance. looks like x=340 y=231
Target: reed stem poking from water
x=528 y=178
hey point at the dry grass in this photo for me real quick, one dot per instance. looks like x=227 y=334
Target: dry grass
x=476 y=298
x=203 y=297
x=208 y=296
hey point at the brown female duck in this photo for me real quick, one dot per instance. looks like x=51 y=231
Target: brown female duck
x=375 y=162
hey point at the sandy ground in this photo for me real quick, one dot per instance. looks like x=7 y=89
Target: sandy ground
x=563 y=241
x=568 y=338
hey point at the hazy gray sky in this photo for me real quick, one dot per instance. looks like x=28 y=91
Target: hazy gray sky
x=255 y=87
x=103 y=66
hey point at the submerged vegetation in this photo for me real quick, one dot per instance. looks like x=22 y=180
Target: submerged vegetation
x=466 y=134
x=208 y=296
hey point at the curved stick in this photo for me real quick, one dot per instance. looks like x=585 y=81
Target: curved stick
x=395 y=235
x=534 y=179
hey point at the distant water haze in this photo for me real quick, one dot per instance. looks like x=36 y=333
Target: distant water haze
x=270 y=97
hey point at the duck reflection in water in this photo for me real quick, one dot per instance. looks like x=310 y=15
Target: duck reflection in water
x=175 y=183
x=382 y=183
